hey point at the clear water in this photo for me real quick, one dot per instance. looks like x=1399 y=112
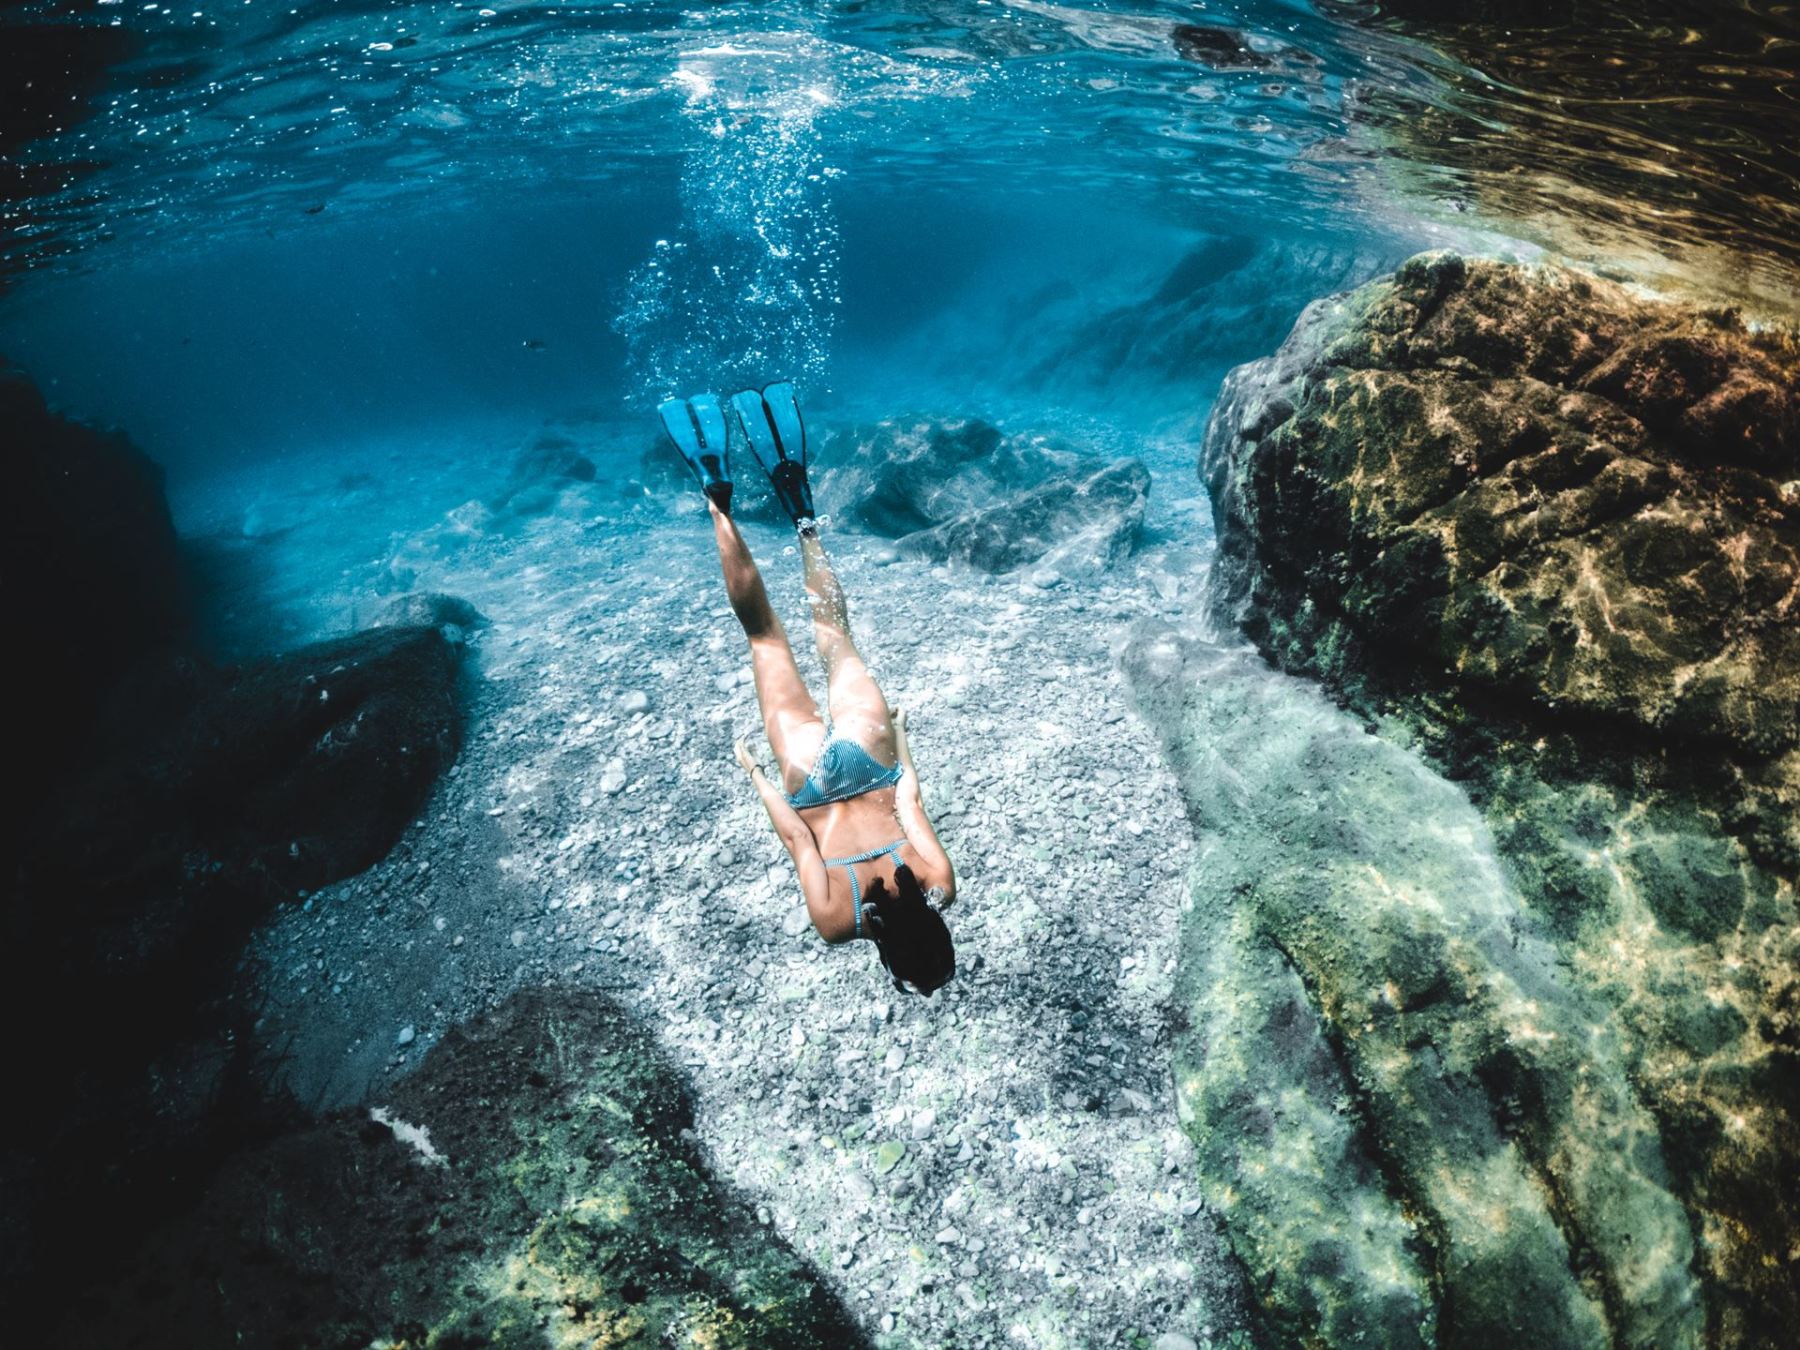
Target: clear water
x=244 y=228
x=332 y=264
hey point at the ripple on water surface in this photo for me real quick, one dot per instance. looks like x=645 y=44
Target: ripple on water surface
x=1654 y=136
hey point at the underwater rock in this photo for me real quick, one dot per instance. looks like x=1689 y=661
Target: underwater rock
x=1539 y=493
x=1089 y=521
x=548 y=463
x=429 y=609
x=952 y=491
x=95 y=575
x=289 y=772
x=1550 y=532
x=1417 y=1128
x=534 y=1182
x=968 y=492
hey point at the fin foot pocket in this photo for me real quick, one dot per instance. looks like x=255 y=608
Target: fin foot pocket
x=777 y=437
x=696 y=426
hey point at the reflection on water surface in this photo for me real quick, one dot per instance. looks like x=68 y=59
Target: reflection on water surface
x=1652 y=137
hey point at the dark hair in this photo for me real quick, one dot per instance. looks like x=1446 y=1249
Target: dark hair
x=910 y=936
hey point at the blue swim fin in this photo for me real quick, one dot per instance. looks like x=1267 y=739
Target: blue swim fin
x=697 y=426
x=777 y=436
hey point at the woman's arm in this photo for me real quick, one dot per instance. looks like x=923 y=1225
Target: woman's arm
x=815 y=881
x=909 y=805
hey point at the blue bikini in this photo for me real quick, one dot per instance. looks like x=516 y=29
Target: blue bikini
x=844 y=770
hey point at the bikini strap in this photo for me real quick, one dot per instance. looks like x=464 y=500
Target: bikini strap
x=849 y=866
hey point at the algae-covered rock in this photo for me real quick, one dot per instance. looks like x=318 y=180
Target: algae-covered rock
x=1416 y=1128
x=1549 y=532
x=535 y=1183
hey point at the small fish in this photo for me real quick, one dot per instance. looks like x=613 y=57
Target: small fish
x=534 y=344
x=315 y=208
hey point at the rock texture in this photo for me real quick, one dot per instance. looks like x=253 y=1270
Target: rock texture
x=966 y=492
x=1550 y=534
x=535 y=1182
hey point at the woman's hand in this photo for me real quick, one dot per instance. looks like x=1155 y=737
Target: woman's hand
x=744 y=757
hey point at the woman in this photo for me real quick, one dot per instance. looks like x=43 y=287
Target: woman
x=848 y=807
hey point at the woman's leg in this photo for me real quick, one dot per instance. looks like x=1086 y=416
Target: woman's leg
x=790 y=717
x=858 y=708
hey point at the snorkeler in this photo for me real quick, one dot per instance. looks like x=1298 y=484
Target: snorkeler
x=848 y=787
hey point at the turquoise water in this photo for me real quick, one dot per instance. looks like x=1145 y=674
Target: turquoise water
x=241 y=228
x=391 y=293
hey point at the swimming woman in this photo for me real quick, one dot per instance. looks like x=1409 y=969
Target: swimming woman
x=847 y=806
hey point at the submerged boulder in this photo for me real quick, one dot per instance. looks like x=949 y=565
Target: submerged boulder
x=1548 y=533
x=430 y=609
x=1086 y=521
x=546 y=465
x=1537 y=493
x=967 y=492
x=536 y=1181
x=1417 y=1129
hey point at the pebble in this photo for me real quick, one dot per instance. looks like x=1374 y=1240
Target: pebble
x=612 y=777
x=636 y=701
x=407 y=1036
x=518 y=937
x=1174 y=1340
x=895 y=1057
x=924 y=1123
x=796 y=921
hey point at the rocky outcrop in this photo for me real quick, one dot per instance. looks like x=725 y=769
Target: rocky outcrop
x=1536 y=494
x=205 y=797
x=1548 y=534
x=535 y=1181
x=432 y=609
x=172 y=802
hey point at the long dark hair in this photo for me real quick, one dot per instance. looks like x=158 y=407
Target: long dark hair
x=910 y=936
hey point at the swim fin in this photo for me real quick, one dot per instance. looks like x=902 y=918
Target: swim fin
x=697 y=426
x=777 y=436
